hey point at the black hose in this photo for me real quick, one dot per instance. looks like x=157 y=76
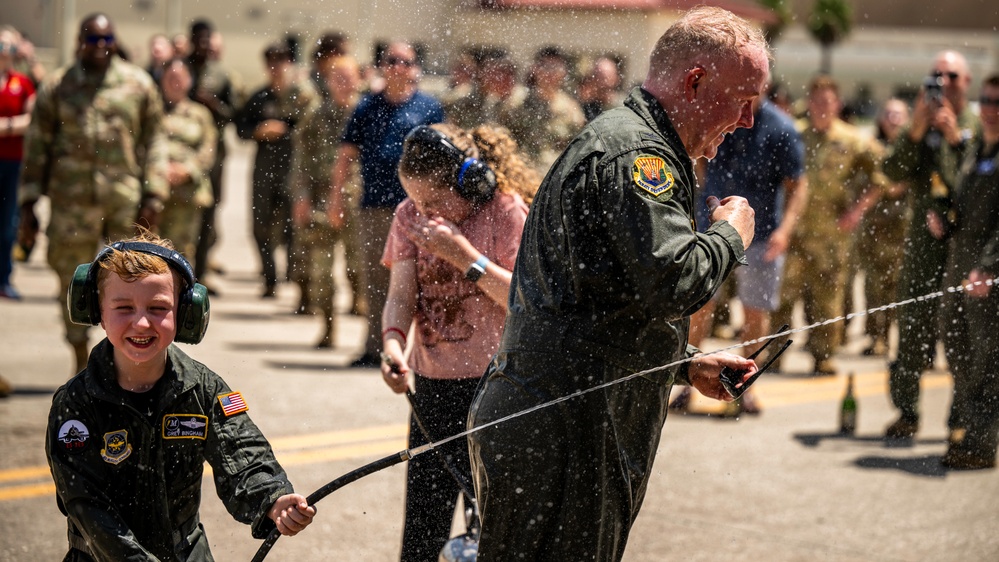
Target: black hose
x=333 y=486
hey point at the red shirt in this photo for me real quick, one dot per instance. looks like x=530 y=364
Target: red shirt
x=14 y=96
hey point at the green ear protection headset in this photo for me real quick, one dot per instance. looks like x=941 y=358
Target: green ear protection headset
x=192 y=310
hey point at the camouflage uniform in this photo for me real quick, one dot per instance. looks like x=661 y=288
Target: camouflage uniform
x=95 y=148
x=469 y=111
x=271 y=197
x=316 y=142
x=191 y=142
x=879 y=254
x=930 y=168
x=543 y=129
x=839 y=162
x=211 y=77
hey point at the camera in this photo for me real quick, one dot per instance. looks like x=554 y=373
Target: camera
x=933 y=88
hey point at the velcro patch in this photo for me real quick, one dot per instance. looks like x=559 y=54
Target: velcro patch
x=185 y=426
x=232 y=403
x=74 y=436
x=651 y=174
x=116 y=446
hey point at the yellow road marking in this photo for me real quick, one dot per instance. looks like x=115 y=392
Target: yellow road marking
x=294 y=450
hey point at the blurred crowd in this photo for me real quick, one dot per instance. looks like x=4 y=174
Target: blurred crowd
x=112 y=144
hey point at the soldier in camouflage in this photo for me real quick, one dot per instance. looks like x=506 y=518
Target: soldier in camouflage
x=215 y=88
x=95 y=148
x=191 y=141
x=844 y=181
x=549 y=117
x=316 y=143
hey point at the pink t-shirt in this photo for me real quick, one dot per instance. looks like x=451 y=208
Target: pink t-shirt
x=458 y=327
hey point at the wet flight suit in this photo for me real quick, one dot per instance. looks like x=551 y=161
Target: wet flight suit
x=130 y=481
x=930 y=167
x=609 y=269
x=968 y=323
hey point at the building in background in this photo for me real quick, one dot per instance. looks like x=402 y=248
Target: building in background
x=888 y=51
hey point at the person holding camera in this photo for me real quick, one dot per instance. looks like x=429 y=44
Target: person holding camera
x=927 y=156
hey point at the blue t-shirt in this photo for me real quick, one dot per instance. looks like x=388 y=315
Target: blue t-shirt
x=753 y=163
x=378 y=128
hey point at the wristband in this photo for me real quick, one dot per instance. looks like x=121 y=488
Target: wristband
x=477 y=269
x=393 y=329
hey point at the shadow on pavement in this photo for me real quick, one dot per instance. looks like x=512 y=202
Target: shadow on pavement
x=927 y=465
x=32 y=391
x=317 y=367
x=816 y=439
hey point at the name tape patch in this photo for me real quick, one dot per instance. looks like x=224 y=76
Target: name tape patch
x=185 y=426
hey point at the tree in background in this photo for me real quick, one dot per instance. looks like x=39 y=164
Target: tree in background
x=782 y=10
x=829 y=23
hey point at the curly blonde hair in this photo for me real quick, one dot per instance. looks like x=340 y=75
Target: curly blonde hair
x=491 y=144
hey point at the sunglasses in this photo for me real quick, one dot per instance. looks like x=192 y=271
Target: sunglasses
x=95 y=39
x=988 y=101
x=952 y=76
x=393 y=61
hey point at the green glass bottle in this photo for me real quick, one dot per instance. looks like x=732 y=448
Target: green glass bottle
x=848 y=410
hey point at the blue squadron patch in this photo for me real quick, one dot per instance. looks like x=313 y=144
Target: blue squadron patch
x=185 y=426
x=74 y=436
x=651 y=174
x=116 y=446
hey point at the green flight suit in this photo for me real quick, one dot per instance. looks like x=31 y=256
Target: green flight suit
x=968 y=323
x=930 y=168
x=610 y=268
x=129 y=481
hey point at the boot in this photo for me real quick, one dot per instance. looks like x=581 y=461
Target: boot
x=304 y=297
x=81 y=351
x=329 y=336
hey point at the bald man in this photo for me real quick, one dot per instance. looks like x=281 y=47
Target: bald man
x=927 y=156
x=609 y=270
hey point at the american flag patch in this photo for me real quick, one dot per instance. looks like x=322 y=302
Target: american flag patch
x=232 y=403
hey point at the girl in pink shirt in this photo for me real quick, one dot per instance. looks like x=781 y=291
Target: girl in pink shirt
x=451 y=249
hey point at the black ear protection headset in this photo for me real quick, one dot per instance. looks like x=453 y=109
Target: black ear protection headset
x=475 y=180
x=192 y=310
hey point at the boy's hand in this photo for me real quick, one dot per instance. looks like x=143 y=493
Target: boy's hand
x=291 y=513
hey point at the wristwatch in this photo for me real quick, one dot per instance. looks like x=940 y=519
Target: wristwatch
x=477 y=269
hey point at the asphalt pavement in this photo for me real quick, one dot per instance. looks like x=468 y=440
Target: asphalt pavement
x=781 y=486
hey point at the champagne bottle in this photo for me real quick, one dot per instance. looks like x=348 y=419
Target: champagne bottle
x=848 y=410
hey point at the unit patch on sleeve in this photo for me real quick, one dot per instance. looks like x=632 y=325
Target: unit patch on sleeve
x=116 y=446
x=232 y=403
x=74 y=436
x=651 y=174
x=185 y=426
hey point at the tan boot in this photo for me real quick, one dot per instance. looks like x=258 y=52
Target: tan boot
x=328 y=340
x=5 y=387
x=81 y=351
